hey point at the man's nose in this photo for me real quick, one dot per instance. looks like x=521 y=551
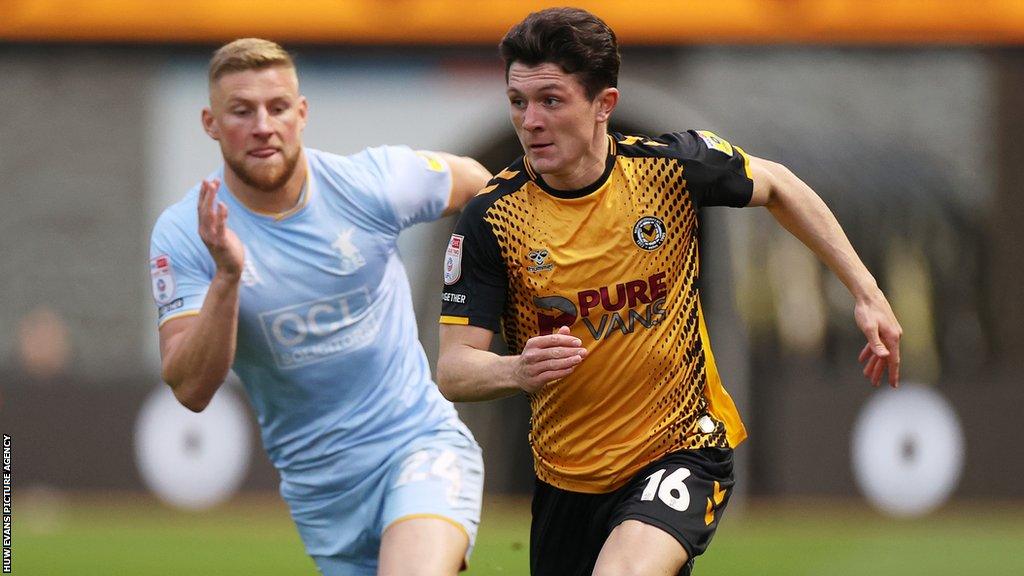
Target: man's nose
x=531 y=118
x=262 y=127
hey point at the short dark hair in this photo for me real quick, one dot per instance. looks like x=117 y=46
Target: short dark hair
x=574 y=39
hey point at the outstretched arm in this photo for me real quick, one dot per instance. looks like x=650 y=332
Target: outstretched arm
x=468 y=372
x=800 y=211
x=197 y=351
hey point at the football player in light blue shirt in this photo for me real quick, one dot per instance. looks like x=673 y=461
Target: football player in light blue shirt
x=283 y=265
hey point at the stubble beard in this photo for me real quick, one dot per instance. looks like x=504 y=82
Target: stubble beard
x=264 y=180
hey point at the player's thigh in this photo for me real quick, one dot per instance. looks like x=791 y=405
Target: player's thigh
x=635 y=548
x=440 y=478
x=674 y=505
x=423 y=547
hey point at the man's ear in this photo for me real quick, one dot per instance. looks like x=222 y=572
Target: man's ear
x=606 y=100
x=303 y=110
x=210 y=124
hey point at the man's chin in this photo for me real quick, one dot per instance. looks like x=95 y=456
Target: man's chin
x=542 y=164
x=269 y=183
x=265 y=175
x=264 y=179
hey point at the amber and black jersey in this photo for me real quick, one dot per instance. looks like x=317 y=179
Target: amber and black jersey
x=617 y=262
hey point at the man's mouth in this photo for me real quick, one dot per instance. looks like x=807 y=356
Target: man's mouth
x=539 y=147
x=263 y=152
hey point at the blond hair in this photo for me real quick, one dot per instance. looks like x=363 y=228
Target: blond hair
x=248 y=54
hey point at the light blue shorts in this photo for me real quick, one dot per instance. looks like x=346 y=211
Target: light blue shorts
x=439 y=474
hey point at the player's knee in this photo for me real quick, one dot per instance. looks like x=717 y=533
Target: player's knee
x=420 y=570
x=636 y=566
x=621 y=567
x=421 y=564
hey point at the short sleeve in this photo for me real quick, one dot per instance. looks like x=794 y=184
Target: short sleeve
x=413 y=186
x=475 y=278
x=717 y=173
x=179 y=267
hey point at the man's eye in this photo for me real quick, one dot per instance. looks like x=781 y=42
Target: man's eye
x=551 y=101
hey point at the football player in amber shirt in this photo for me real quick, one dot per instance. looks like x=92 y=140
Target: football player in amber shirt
x=583 y=253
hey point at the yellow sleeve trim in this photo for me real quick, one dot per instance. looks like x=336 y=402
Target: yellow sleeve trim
x=436 y=163
x=184 y=314
x=460 y=320
x=746 y=162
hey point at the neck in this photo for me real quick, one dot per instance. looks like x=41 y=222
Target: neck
x=274 y=201
x=589 y=168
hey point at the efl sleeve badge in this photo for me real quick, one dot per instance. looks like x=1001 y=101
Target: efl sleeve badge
x=715 y=142
x=162 y=275
x=453 y=260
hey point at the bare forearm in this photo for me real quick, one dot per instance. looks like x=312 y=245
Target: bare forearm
x=197 y=361
x=465 y=374
x=800 y=211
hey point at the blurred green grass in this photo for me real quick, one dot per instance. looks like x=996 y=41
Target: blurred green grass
x=135 y=535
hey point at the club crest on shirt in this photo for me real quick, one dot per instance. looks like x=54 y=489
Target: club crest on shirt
x=351 y=258
x=250 y=276
x=162 y=275
x=453 y=260
x=649 y=233
x=538 y=257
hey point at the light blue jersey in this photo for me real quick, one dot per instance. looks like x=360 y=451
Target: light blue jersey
x=327 y=341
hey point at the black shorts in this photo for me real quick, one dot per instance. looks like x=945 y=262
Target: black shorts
x=683 y=493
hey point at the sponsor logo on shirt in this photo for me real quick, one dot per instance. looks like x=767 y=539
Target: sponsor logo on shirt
x=649 y=233
x=453 y=260
x=162 y=275
x=320 y=329
x=620 y=308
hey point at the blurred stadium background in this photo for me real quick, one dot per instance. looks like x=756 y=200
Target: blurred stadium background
x=904 y=115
